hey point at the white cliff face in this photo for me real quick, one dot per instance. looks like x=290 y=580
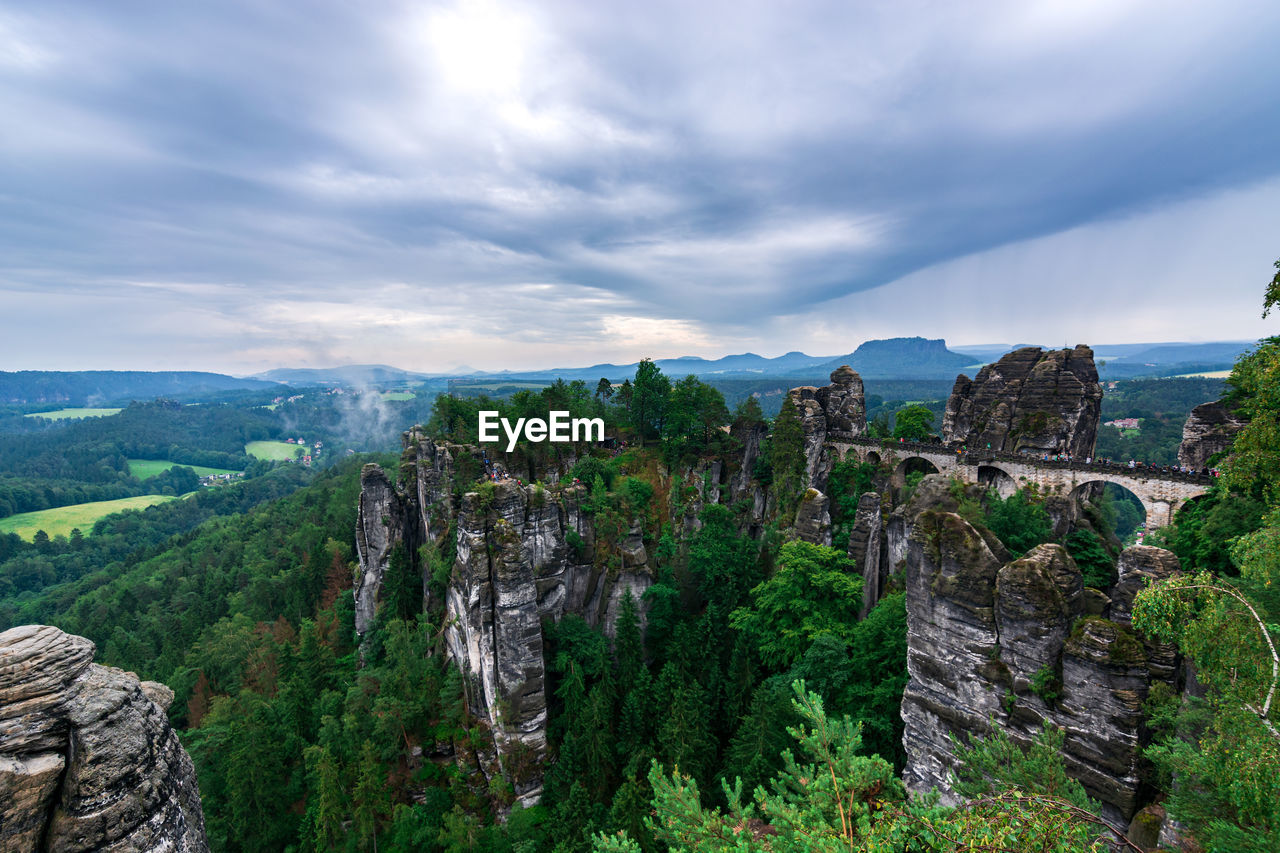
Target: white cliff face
x=88 y=761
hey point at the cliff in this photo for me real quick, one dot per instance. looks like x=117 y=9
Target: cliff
x=1209 y=430
x=829 y=414
x=523 y=553
x=1030 y=401
x=1012 y=643
x=990 y=638
x=88 y=760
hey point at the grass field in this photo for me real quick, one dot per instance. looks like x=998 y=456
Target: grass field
x=144 y=469
x=1212 y=374
x=398 y=396
x=62 y=520
x=274 y=450
x=64 y=414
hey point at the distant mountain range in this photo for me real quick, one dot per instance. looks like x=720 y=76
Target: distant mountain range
x=894 y=358
x=353 y=375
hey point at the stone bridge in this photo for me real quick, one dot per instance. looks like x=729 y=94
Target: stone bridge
x=1161 y=491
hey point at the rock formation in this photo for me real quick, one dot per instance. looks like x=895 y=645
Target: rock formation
x=1028 y=400
x=88 y=760
x=383 y=524
x=1209 y=430
x=813 y=518
x=864 y=548
x=523 y=554
x=833 y=412
x=1012 y=643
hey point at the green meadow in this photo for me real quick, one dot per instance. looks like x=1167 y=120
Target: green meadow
x=276 y=451
x=145 y=469
x=62 y=520
x=65 y=414
x=397 y=396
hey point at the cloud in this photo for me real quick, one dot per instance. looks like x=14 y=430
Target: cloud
x=505 y=183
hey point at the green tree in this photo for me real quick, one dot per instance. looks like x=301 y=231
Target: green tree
x=748 y=411
x=1020 y=522
x=1254 y=465
x=1096 y=565
x=843 y=801
x=787 y=460
x=813 y=592
x=722 y=561
x=1223 y=769
x=1272 y=297
x=326 y=802
x=914 y=423
x=371 y=801
x=648 y=400
x=993 y=764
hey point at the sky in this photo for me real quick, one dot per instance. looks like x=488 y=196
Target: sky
x=237 y=186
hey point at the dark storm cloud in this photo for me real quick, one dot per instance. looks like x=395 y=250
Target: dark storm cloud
x=547 y=172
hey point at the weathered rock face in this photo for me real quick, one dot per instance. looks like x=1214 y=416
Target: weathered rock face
x=864 y=548
x=383 y=523
x=1028 y=400
x=495 y=634
x=813 y=518
x=87 y=760
x=1209 y=429
x=981 y=634
x=829 y=414
x=523 y=553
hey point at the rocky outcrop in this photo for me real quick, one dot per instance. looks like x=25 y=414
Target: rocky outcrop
x=828 y=414
x=524 y=553
x=1209 y=430
x=813 y=518
x=494 y=633
x=383 y=524
x=87 y=760
x=1013 y=644
x=1029 y=400
x=1138 y=566
x=864 y=549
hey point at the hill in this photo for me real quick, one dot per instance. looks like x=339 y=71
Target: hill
x=904 y=358
x=96 y=387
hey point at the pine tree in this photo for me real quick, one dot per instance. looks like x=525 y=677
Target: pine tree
x=326 y=799
x=370 y=801
x=628 y=645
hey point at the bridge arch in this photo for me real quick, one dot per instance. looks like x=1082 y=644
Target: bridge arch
x=1154 y=512
x=911 y=465
x=993 y=477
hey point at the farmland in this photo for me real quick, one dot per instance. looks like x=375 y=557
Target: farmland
x=276 y=451
x=62 y=520
x=145 y=469
x=71 y=414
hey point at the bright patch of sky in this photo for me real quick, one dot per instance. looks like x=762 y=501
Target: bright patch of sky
x=238 y=186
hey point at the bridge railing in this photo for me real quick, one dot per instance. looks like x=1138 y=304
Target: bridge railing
x=980 y=457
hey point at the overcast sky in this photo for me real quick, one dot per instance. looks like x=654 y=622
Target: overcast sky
x=237 y=186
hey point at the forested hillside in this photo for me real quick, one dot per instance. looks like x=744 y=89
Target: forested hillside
x=743 y=702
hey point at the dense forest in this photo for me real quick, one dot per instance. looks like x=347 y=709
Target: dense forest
x=755 y=710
